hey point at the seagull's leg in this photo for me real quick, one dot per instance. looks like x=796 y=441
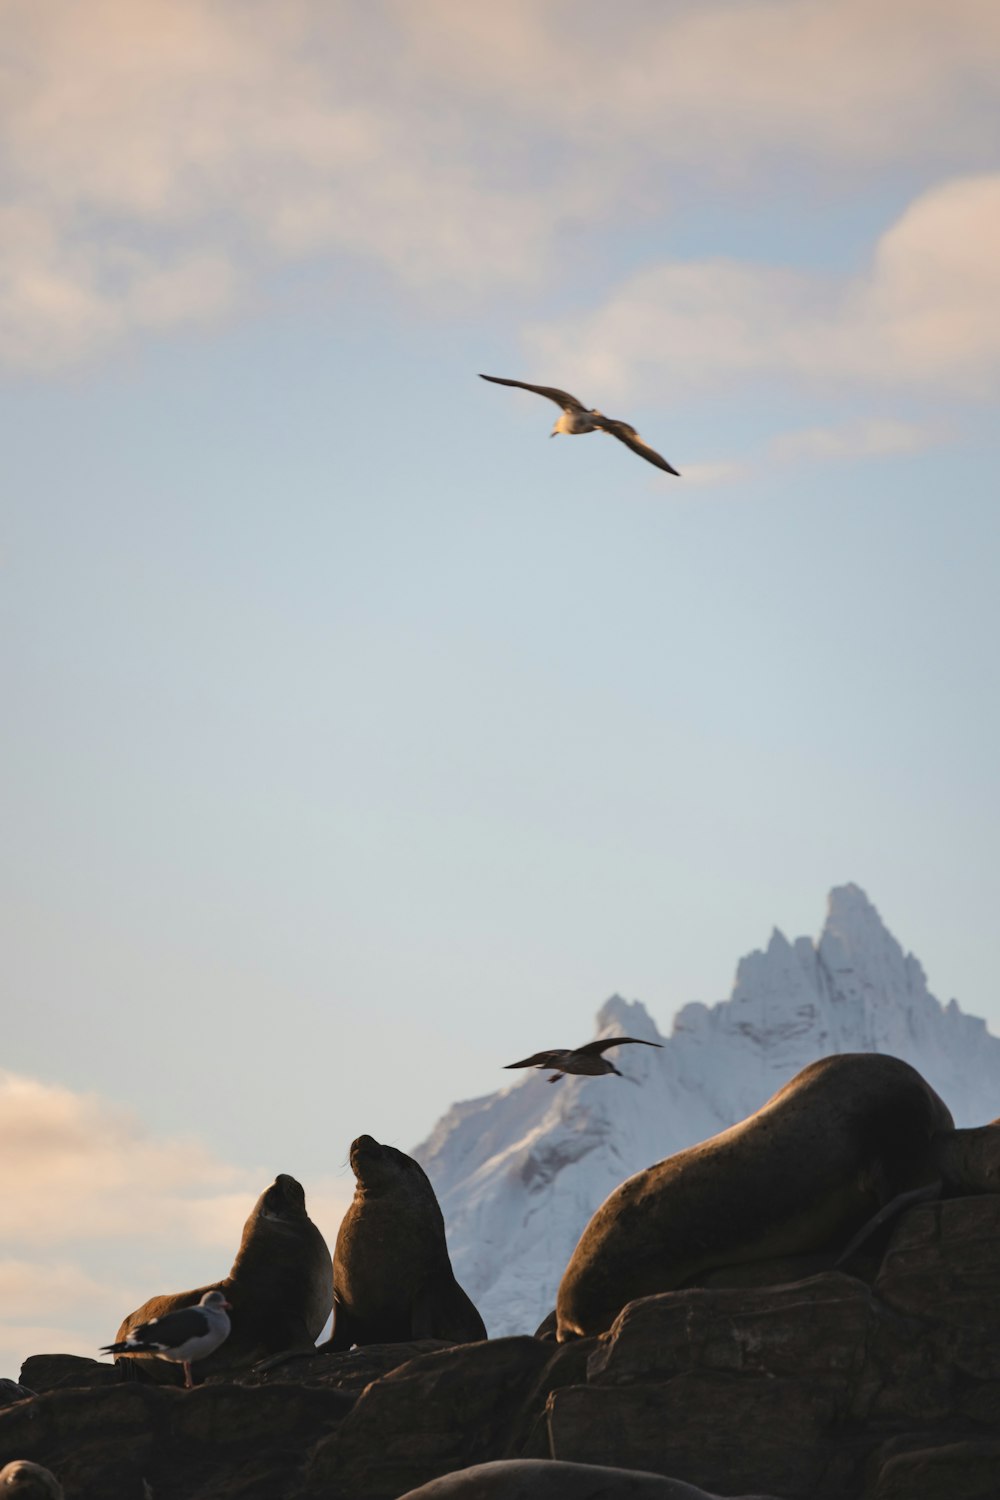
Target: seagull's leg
x=188 y=1381
x=555 y=1078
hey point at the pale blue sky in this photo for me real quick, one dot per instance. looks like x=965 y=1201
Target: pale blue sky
x=358 y=737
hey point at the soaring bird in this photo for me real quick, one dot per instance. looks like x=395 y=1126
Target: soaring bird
x=186 y=1334
x=586 y=1059
x=575 y=418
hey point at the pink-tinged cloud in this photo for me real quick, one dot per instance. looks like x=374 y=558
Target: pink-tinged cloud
x=76 y=1167
x=717 y=84
x=868 y=438
x=923 y=315
x=163 y=158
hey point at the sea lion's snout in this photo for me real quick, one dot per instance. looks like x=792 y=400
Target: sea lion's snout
x=285 y=1196
x=364 y=1149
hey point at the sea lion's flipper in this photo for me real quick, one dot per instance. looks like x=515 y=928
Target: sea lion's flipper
x=547 y=1328
x=344 y=1332
x=442 y=1310
x=927 y=1193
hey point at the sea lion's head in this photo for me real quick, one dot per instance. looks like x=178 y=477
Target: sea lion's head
x=379 y=1168
x=23 y=1480
x=285 y=1199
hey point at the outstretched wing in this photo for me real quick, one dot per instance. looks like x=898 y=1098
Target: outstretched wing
x=540 y=1060
x=561 y=398
x=594 y=1049
x=628 y=435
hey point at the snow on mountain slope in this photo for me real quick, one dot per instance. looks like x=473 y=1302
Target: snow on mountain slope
x=520 y=1172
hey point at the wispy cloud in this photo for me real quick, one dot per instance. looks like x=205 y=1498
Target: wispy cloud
x=75 y=1167
x=162 y=157
x=865 y=438
x=715 y=83
x=924 y=314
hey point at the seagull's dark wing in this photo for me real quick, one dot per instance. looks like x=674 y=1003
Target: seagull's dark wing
x=628 y=435
x=594 y=1049
x=540 y=1060
x=168 y=1332
x=561 y=398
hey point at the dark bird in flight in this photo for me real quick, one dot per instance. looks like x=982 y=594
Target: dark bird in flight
x=575 y=418
x=186 y=1334
x=586 y=1059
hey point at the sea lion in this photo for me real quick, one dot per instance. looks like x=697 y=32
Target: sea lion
x=23 y=1480
x=392 y=1276
x=279 y=1288
x=806 y=1172
x=551 y=1479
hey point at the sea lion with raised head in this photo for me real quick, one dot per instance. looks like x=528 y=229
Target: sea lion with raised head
x=279 y=1289
x=392 y=1275
x=805 y=1173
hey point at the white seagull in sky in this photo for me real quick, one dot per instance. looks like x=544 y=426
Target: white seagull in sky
x=575 y=418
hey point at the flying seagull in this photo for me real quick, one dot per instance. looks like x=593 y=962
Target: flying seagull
x=576 y=418
x=186 y=1334
x=586 y=1059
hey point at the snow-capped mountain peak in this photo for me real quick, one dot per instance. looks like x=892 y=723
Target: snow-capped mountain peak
x=519 y=1172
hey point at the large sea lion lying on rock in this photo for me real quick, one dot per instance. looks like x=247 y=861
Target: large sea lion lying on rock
x=805 y=1173
x=392 y=1276
x=279 y=1289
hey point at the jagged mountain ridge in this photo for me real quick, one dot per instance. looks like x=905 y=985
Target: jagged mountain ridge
x=519 y=1172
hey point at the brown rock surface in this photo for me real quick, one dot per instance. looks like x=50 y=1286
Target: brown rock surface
x=954 y=1471
x=350 y=1371
x=463 y=1406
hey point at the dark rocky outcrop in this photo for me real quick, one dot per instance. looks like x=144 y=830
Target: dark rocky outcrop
x=874 y=1385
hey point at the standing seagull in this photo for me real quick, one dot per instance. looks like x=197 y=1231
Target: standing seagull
x=586 y=1059
x=576 y=418
x=184 y=1335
